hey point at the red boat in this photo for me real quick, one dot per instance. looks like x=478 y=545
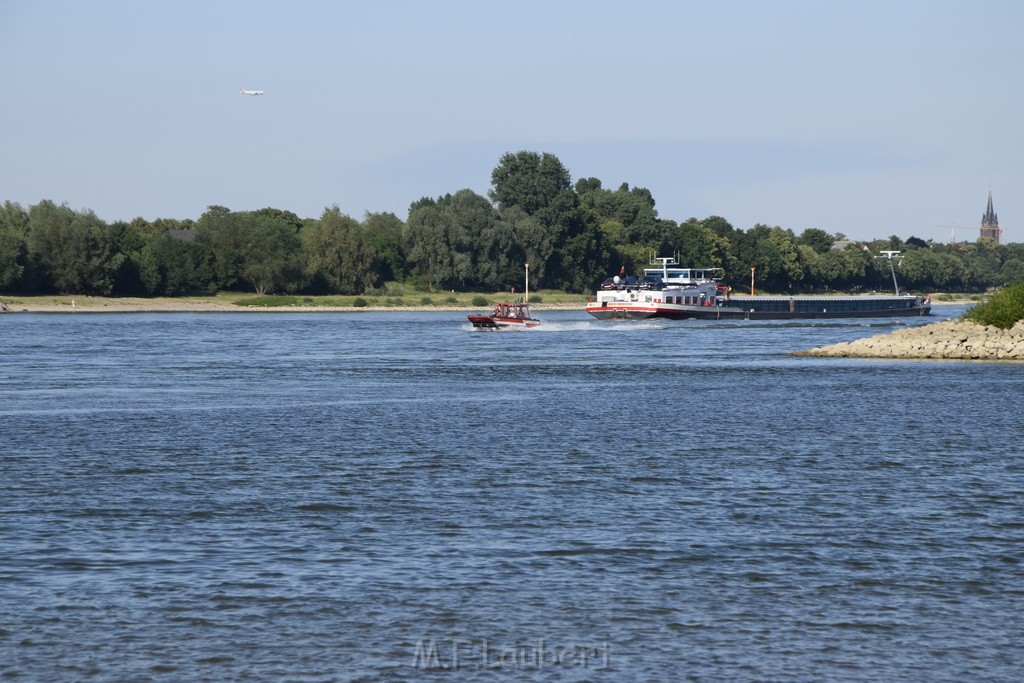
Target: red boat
x=505 y=315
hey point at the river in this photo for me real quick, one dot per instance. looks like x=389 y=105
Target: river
x=395 y=496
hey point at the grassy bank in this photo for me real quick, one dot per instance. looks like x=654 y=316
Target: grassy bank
x=386 y=298
x=399 y=299
x=238 y=301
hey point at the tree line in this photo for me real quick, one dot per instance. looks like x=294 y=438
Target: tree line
x=573 y=235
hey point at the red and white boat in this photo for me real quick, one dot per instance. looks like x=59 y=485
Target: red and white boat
x=505 y=315
x=508 y=314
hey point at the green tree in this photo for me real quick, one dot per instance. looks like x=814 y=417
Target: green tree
x=386 y=235
x=73 y=250
x=129 y=240
x=338 y=254
x=1012 y=271
x=469 y=219
x=696 y=245
x=579 y=256
x=816 y=239
x=223 y=234
x=719 y=226
x=259 y=248
x=982 y=262
x=810 y=262
x=919 y=269
x=773 y=253
x=282 y=216
x=528 y=180
x=272 y=256
x=459 y=241
x=430 y=253
x=631 y=208
x=172 y=266
x=532 y=245
x=540 y=185
x=13 y=245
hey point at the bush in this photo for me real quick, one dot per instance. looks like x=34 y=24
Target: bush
x=268 y=301
x=426 y=301
x=418 y=283
x=536 y=299
x=1003 y=310
x=452 y=300
x=359 y=302
x=480 y=301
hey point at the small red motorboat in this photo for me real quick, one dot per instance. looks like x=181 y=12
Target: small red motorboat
x=505 y=315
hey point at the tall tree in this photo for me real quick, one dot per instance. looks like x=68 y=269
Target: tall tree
x=171 y=266
x=386 y=235
x=772 y=252
x=632 y=208
x=223 y=233
x=272 y=256
x=13 y=245
x=540 y=185
x=480 y=245
x=73 y=250
x=528 y=180
x=430 y=253
x=694 y=244
x=261 y=249
x=338 y=253
x=816 y=239
x=532 y=244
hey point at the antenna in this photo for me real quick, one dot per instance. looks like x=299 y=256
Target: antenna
x=890 y=255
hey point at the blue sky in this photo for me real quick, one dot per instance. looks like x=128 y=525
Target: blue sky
x=867 y=118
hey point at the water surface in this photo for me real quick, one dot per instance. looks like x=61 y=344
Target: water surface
x=386 y=496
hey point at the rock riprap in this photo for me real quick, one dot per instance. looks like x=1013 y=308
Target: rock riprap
x=952 y=339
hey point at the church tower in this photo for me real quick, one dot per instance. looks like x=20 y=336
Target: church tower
x=990 y=223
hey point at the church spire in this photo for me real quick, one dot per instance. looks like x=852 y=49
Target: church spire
x=990 y=216
x=990 y=222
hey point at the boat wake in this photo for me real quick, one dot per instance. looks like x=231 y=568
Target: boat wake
x=580 y=326
x=600 y=326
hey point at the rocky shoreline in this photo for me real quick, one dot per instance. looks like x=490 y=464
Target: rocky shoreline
x=948 y=339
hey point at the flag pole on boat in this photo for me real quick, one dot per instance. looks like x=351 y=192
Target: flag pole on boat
x=526 y=299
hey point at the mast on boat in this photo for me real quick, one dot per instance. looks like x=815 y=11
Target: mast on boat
x=665 y=263
x=526 y=297
x=890 y=255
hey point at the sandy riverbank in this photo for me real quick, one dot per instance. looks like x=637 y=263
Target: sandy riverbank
x=91 y=304
x=77 y=304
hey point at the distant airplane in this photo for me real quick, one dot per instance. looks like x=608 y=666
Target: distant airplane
x=251 y=92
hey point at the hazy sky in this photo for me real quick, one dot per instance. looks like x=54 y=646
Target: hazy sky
x=861 y=117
